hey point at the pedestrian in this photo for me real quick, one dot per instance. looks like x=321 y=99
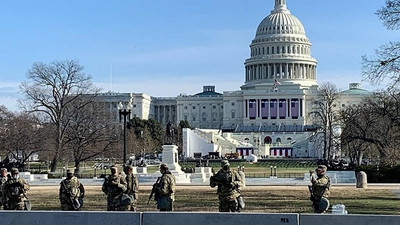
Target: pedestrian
x=319 y=189
x=164 y=189
x=229 y=184
x=15 y=192
x=71 y=193
x=132 y=189
x=3 y=180
x=114 y=186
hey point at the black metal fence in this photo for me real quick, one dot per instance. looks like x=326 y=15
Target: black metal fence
x=278 y=175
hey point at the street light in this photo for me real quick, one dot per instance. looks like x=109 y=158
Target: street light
x=124 y=112
x=337 y=131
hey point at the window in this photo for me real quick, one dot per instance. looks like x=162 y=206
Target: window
x=233 y=114
x=194 y=118
x=214 y=107
x=343 y=105
x=185 y=107
x=204 y=116
x=233 y=103
x=185 y=117
x=194 y=107
x=278 y=140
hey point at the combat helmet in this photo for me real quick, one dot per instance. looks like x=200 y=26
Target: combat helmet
x=14 y=170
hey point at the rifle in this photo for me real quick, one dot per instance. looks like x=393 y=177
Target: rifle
x=153 y=190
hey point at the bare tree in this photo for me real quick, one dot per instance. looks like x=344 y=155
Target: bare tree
x=90 y=133
x=373 y=127
x=50 y=89
x=325 y=116
x=386 y=62
x=21 y=136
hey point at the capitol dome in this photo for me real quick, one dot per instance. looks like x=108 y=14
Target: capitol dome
x=280 y=21
x=280 y=51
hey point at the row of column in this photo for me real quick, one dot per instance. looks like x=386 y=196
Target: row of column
x=280 y=71
x=162 y=115
x=274 y=108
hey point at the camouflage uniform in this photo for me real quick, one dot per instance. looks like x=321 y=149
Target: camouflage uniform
x=165 y=190
x=132 y=189
x=3 y=180
x=114 y=186
x=229 y=183
x=14 y=190
x=71 y=189
x=320 y=187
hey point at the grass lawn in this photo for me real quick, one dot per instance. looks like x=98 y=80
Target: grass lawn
x=267 y=199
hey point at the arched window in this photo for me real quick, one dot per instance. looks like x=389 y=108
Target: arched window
x=267 y=140
x=278 y=140
x=204 y=116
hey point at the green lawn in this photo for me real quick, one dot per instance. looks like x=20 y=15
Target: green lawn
x=258 y=199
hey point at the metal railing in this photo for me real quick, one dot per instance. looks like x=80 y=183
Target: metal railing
x=278 y=175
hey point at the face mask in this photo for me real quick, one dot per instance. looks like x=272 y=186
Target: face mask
x=15 y=176
x=70 y=175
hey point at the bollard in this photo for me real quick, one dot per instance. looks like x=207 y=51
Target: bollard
x=361 y=179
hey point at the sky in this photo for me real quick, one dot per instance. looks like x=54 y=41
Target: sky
x=168 y=47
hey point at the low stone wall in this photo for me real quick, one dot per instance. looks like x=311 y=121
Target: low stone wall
x=181 y=218
x=329 y=219
x=188 y=218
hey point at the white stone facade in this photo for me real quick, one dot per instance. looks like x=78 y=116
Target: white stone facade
x=269 y=115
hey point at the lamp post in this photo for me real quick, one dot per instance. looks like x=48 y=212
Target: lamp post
x=337 y=131
x=124 y=112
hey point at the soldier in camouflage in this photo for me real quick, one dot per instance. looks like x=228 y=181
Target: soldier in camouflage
x=165 y=189
x=132 y=189
x=319 y=189
x=229 y=183
x=71 y=193
x=15 y=191
x=114 y=186
x=3 y=180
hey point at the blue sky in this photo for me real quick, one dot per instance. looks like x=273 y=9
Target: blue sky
x=168 y=47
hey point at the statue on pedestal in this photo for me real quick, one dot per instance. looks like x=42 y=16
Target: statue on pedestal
x=169 y=134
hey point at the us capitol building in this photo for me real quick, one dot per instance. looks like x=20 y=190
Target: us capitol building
x=268 y=116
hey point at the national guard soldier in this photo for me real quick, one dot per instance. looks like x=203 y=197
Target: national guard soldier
x=132 y=188
x=71 y=193
x=319 y=190
x=164 y=189
x=229 y=184
x=114 y=186
x=15 y=192
x=3 y=180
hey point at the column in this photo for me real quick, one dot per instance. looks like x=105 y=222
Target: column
x=170 y=113
x=287 y=71
x=164 y=114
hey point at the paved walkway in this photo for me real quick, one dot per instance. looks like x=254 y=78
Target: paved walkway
x=396 y=192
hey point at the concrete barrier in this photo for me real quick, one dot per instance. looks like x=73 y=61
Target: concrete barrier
x=181 y=218
x=329 y=219
x=188 y=218
x=69 y=218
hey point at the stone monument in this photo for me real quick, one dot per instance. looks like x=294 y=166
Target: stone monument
x=170 y=157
